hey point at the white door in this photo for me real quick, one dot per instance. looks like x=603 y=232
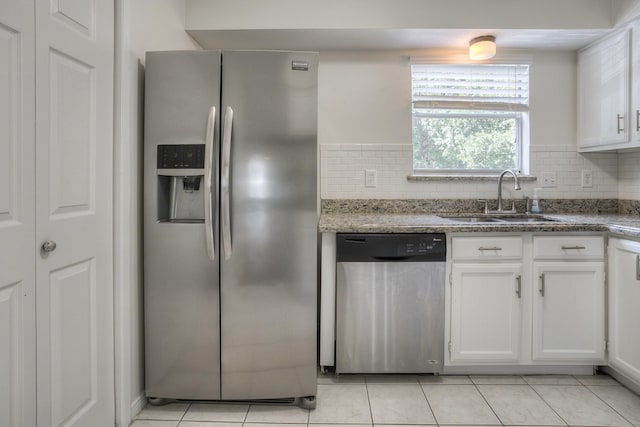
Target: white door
x=624 y=300
x=568 y=311
x=486 y=312
x=17 y=196
x=74 y=110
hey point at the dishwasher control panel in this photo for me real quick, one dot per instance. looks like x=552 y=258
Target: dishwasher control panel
x=390 y=247
x=411 y=248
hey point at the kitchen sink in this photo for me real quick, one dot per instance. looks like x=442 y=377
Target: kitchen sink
x=498 y=219
x=525 y=219
x=471 y=219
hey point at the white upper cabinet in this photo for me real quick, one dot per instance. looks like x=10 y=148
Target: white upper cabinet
x=603 y=94
x=634 y=118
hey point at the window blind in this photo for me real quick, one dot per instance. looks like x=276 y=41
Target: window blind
x=501 y=87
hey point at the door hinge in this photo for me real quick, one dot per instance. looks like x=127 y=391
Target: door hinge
x=450 y=278
x=449 y=348
x=606 y=346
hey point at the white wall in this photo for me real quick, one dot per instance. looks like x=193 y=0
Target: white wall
x=158 y=25
x=629 y=175
x=364 y=97
x=143 y=25
x=552 y=92
x=625 y=11
x=364 y=122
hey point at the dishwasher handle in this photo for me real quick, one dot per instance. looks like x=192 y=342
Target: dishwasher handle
x=392 y=258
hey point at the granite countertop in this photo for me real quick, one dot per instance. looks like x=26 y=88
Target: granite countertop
x=622 y=225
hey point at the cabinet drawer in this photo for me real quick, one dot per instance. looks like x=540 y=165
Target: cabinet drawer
x=490 y=248
x=568 y=247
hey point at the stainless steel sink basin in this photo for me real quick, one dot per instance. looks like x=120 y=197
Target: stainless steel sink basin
x=500 y=218
x=471 y=219
x=525 y=219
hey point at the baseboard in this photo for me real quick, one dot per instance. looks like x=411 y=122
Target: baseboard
x=622 y=378
x=138 y=405
x=519 y=370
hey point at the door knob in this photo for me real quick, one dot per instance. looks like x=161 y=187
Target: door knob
x=49 y=246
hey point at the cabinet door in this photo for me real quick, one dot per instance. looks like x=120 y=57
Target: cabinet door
x=624 y=300
x=603 y=87
x=634 y=119
x=486 y=312
x=568 y=312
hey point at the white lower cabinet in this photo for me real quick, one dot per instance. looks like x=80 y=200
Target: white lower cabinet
x=486 y=313
x=526 y=299
x=624 y=307
x=568 y=312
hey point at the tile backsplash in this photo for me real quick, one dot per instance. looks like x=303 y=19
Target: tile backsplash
x=343 y=174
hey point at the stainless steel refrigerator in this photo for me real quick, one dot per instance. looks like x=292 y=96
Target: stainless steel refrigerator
x=230 y=225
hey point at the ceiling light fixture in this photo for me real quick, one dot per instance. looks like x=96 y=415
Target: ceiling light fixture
x=483 y=47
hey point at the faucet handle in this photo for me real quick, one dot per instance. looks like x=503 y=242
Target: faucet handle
x=486 y=204
x=527 y=204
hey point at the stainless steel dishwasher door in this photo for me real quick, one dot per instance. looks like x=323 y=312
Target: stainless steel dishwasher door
x=390 y=317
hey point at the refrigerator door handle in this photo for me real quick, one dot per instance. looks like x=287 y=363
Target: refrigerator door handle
x=226 y=165
x=208 y=209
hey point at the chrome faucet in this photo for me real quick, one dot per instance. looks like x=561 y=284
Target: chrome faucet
x=517 y=187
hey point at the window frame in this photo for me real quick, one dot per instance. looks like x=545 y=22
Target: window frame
x=519 y=113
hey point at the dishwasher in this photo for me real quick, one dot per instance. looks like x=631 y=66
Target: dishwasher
x=390 y=303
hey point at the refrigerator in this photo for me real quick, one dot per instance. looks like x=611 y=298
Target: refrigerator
x=230 y=225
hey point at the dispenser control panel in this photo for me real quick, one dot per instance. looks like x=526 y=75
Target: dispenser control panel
x=186 y=156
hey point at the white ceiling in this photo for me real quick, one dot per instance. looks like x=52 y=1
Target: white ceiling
x=402 y=24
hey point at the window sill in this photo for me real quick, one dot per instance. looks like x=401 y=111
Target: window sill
x=466 y=177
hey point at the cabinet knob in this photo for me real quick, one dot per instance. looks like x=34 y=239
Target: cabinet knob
x=49 y=246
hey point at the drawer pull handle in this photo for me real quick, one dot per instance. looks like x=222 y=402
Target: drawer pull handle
x=519 y=288
x=637 y=267
x=494 y=248
x=620 y=119
x=576 y=248
x=541 y=290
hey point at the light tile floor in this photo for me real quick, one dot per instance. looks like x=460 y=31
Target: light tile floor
x=393 y=401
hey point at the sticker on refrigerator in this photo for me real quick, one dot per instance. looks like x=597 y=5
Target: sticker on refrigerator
x=300 y=65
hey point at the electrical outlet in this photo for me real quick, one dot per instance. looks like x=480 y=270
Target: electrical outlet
x=587 y=178
x=370 y=178
x=548 y=179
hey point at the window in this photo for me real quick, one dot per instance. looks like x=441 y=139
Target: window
x=469 y=118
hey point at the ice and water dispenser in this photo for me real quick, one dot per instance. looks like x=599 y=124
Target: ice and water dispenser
x=180 y=173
